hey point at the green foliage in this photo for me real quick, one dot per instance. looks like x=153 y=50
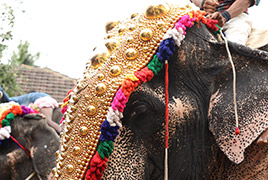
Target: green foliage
x=8 y=80
x=7 y=71
x=23 y=56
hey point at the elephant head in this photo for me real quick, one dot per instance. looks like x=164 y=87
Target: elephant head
x=202 y=139
x=30 y=153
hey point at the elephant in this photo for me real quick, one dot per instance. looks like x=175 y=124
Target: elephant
x=201 y=116
x=203 y=142
x=39 y=140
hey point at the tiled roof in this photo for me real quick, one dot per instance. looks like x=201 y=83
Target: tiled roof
x=32 y=78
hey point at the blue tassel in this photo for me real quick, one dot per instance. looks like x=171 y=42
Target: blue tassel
x=107 y=132
x=166 y=49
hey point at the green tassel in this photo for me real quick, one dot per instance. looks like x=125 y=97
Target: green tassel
x=105 y=148
x=6 y=121
x=155 y=65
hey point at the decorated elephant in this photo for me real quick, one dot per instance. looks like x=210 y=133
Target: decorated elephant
x=28 y=144
x=198 y=118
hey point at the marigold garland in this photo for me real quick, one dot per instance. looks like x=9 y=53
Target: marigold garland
x=7 y=108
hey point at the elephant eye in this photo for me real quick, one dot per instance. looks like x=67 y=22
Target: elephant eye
x=143 y=115
x=138 y=111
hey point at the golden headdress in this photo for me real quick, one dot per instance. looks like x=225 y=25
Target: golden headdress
x=131 y=45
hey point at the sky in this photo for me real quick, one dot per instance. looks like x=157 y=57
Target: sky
x=66 y=31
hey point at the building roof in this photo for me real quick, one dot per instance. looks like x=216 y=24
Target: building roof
x=33 y=78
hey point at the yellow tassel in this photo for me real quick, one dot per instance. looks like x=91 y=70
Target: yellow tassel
x=132 y=77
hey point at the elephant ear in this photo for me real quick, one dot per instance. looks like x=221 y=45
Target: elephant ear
x=252 y=99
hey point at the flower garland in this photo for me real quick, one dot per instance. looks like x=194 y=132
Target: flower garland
x=109 y=128
x=8 y=112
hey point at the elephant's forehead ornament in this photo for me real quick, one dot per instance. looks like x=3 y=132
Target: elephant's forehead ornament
x=136 y=51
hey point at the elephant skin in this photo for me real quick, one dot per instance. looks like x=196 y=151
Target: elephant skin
x=202 y=143
x=39 y=139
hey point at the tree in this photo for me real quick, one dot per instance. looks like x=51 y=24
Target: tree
x=23 y=56
x=8 y=80
x=7 y=73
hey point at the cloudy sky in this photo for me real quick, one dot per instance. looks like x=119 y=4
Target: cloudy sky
x=65 y=31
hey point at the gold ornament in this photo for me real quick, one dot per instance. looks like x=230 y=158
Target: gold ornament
x=157 y=11
x=109 y=26
x=115 y=71
x=122 y=30
x=91 y=110
x=130 y=39
x=160 y=24
x=146 y=34
x=131 y=54
x=84 y=130
x=70 y=168
x=145 y=49
x=65 y=146
x=76 y=150
x=100 y=88
x=98 y=59
x=111 y=45
x=75 y=98
x=112 y=58
x=54 y=170
x=100 y=76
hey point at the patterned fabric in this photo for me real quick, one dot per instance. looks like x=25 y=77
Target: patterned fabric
x=225 y=4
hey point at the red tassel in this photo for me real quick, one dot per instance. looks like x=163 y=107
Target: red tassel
x=237 y=131
x=166 y=101
x=97 y=166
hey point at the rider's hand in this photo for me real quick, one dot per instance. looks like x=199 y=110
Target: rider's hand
x=210 y=6
x=217 y=16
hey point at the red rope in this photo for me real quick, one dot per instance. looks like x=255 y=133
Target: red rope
x=17 y=142
x=166 y=101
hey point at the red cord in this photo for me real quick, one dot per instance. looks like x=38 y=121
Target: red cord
x=166 y=101
x=17 y=142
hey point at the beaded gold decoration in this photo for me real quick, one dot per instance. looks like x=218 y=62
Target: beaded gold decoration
x=130 y=46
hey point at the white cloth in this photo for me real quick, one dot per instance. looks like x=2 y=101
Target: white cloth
x=238 y=28
x=5 y=132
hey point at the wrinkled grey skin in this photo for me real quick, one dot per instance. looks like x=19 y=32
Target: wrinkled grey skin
x=39 y=139
x=198 y=70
